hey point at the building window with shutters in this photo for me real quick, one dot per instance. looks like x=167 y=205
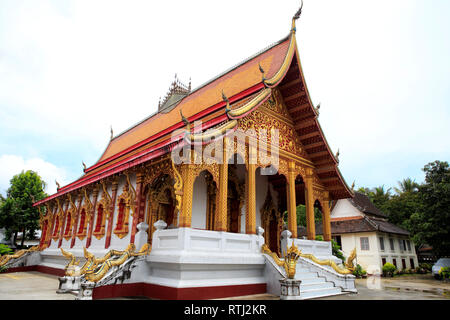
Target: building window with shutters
x=364 y=243
x=409 y=245
x=391 y=243
x=381 y=243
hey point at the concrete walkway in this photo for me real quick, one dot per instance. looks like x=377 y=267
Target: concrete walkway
x=30 y=286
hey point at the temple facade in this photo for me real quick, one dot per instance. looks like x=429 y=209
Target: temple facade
x=204 y=183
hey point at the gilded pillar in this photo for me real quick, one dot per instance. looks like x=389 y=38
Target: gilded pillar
x=326 y=223
x=188 y=189
x=92 y=218
x=309 y=199
x=137 y=205
x=292 y=207
x=221 y=217
x=250 y=219
x=115 y=184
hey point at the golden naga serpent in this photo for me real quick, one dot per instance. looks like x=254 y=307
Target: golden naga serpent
x=90 y=264
x=293 y=252
x=95 y=276
x=6 y=258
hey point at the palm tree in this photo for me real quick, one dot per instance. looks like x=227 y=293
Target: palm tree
x=406 y=186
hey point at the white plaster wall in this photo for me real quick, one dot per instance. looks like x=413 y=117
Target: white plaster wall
x=344 y=208
x=373 y=257
x=199 y=200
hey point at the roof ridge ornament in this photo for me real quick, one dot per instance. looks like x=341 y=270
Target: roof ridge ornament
x=112 y=133
x=296 y=16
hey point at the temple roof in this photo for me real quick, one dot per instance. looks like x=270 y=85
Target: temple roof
x=240 y=78
x=281 y=68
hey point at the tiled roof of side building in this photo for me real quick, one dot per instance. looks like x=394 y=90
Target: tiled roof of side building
x=363 y=203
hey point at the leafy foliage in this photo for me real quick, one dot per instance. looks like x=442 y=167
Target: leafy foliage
x=359 y=272
x=422 y=209
x=389 y=269
x=4 y=249
x=17 y=213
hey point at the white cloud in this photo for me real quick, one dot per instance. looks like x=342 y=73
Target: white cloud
x=11 y=165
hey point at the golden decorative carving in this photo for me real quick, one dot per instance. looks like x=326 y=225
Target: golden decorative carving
x=70 y=267
x=6 y=258
x=349 y=263
x=288 y=263
x=243 y=110
x=100 y=272
x=178 y=186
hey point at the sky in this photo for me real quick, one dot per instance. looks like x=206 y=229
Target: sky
x=71 y=70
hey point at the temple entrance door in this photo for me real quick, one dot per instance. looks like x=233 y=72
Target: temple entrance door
x=273 y=235
x=167 y=209
x=234 y=216
x=233 y=209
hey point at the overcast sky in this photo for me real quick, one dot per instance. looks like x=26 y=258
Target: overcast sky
x=71 y=69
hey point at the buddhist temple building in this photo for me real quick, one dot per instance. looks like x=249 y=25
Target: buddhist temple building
x=204 y=184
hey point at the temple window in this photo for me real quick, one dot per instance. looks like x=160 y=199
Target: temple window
x=120 y=216
x=56 y=228
x=99 y=230
x=81 y=228
x=68 y=224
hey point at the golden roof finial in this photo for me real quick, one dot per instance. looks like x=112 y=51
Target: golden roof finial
x=57 y=185
x=353 y=185
x=295 y=17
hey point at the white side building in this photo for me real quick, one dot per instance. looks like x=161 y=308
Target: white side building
x=357 y=223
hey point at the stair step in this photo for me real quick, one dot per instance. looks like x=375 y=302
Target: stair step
x=306 y=275
x=316 y=293
x=315 y=285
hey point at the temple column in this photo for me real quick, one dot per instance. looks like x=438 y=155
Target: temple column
x=115 y=184
x=188 y=189
x=221 y=216
x=292 y=207
x=92 y=218
x=326 y=223
x=309 y=202
x=137 y=205
x=153 y=216
x=250 y=219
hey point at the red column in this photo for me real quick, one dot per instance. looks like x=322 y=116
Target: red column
x=91 y=222
x=137 y=214
x=111 y=214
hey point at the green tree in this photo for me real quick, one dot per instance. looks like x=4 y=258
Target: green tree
x=17 y=213
x=431 y=224
x=407 y=186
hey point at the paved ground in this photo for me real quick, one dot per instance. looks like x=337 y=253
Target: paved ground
x=39 y=286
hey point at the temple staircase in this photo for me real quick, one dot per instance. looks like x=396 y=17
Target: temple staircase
x=313 y=284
